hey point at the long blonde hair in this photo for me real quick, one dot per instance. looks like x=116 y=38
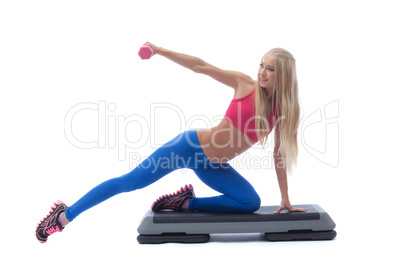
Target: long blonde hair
x=285 y=98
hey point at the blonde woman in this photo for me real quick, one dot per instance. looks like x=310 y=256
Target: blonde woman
x=257 y=107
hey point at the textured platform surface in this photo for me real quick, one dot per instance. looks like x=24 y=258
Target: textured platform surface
x=265 y=213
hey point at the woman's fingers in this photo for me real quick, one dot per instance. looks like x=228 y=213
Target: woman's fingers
x=293 y=209
x=290 y=209
x=279 y=210
x=152 y=46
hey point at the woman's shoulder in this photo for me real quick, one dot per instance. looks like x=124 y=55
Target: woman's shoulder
x=245 y=89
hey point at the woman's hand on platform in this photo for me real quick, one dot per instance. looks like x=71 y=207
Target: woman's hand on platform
x=285 y=205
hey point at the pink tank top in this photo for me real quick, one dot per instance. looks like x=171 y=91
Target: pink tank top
x=241 y=114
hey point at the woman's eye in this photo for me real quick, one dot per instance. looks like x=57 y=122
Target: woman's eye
x=268 y=68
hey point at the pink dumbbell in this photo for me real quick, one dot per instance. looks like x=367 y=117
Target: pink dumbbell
x=145 y=52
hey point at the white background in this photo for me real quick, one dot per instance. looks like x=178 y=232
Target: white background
x=57 y=54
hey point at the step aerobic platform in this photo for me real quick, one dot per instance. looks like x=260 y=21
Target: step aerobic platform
x=196 y=227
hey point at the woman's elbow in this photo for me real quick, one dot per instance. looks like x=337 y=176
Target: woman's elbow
x=199 y=67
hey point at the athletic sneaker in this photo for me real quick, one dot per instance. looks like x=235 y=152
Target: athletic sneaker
x=174 y=201
x=50 y=223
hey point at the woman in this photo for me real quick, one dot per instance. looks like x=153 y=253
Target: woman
x=256 y=108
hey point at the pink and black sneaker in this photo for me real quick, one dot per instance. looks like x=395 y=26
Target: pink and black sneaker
x=50 y=223
x=174 y=201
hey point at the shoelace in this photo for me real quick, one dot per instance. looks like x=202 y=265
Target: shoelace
x=52 y=230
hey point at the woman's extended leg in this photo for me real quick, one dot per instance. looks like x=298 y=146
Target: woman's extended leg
x=171 y=156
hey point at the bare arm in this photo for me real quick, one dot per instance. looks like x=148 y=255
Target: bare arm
x=280 y=168
x=230 y=78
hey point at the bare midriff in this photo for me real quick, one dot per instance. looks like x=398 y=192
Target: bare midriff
x=223 y=142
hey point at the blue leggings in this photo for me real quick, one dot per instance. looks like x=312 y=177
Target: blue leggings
x=184 y=151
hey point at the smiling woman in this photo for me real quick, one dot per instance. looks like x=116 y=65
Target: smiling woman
x=257 y=107
x=267 y=73
x=277 y=90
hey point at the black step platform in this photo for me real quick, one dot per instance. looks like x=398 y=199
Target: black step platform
x=196 y=227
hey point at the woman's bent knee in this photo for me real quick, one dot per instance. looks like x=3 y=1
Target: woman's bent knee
x=251 y=205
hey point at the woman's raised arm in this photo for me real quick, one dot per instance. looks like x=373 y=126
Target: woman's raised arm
x=232 y=79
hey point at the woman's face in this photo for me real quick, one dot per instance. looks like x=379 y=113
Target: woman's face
x=266 y=73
